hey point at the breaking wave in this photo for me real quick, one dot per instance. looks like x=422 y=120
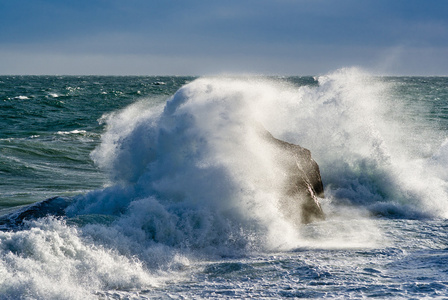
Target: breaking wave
x=192 y=178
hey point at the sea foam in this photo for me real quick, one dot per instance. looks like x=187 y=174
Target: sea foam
x=201 y=147
x=191 y=179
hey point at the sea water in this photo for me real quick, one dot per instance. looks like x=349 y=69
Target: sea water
x=173 y=194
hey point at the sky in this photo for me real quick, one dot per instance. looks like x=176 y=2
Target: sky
x=209 y=37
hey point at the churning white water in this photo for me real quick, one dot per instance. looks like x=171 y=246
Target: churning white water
x=192 y=182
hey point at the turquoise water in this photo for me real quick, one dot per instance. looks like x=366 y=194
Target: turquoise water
x=171 y=195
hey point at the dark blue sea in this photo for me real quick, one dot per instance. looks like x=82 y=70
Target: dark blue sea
x=164 y=190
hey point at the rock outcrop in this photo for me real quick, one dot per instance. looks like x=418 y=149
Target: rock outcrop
x=303 y=184
x=54 y=206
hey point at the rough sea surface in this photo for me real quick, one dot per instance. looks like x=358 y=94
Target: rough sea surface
x=173 y=195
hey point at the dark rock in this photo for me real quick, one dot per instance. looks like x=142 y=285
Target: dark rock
x=50 y=207
x=303 y=184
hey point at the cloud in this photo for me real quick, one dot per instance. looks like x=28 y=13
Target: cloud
x=194 y=37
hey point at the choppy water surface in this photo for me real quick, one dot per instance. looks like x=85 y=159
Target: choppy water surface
x=174 y=196
x=49 y=125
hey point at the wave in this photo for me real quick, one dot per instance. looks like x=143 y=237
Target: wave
x=194 y=174
x=76 y=131
x=21 y=97
x=192 y=178
x=201 y=146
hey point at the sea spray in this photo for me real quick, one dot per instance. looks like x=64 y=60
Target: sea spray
x=201 y=146
x=371 y=156
x=191 y=182
x=200 y=157
x=195 y=174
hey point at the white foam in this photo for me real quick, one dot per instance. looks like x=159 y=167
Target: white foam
x=198 y=160
x=193 y=179
x=76 y=131
x=22 y=97
x=53 y=261
x=201 y=151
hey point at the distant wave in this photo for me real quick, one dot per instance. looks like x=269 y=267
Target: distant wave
x=53 y=95
x=21 y=97
x=76 y=131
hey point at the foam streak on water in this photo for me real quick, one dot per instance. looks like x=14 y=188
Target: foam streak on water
x=191 y=206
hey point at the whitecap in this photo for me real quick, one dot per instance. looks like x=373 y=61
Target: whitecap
x=21 y=97
x=76 y=131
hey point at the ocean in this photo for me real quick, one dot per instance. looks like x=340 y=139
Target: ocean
x=165 y=192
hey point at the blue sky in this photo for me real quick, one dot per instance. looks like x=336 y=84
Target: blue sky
x=180 y=37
